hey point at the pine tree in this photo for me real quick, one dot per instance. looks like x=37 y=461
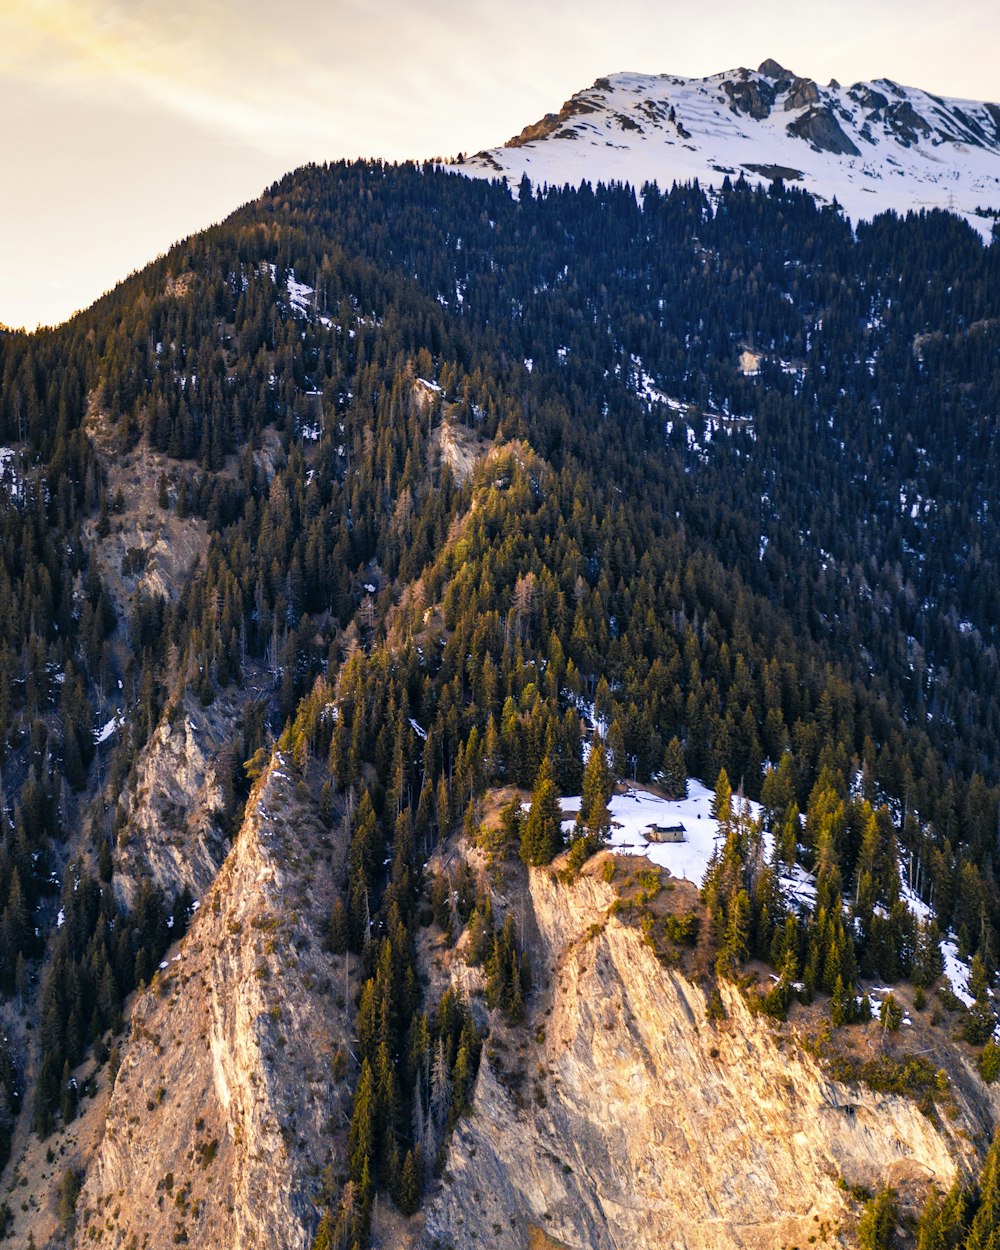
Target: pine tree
x=361 y=1133
x=408 y=1197
x=878 y=1222
x=985 y=1231
x=542 y=834
x=673 y=771
x=339 y=928
x=722 y=800
x=597 y=787
x=841 y=1004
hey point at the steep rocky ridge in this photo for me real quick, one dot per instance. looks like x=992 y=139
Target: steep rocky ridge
x=640 y=1123
x=172 y=823
x=224 y=1109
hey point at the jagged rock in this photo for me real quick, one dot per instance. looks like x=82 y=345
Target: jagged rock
x=173 y=833
x=750 y=96
x=869 y=99
x=771 y=69
x=225 y=1108
x=550 y=123
x=822 y=131
x=803 y=91
x=634 y=1122
x=907 y=124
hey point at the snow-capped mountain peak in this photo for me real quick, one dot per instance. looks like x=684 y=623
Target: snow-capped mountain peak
x=873 y=146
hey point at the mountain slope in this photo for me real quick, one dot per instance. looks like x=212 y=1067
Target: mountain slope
x=633 y=1118
x=872 y=146
x=479 y=484
x=219 y=1123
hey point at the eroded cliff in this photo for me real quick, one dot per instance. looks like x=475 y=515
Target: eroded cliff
x=222 y=1115
x=626 y=1118
x=172 y=828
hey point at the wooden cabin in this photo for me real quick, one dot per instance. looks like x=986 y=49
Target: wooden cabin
x=665 y=833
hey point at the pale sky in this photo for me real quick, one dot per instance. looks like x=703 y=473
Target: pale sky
x=125 y=126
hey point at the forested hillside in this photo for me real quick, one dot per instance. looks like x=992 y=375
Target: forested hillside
x=701 y=483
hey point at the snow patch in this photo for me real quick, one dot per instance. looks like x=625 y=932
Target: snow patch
x=105 y=732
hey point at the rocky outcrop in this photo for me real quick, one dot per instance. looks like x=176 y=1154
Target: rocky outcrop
x=551 y=122
x=173 y=829
x=749 y=95
x=822 y=131
x=771 y=69
x=803 y=91
x=907 y=124
x=226 y=1105
x=631 y=1120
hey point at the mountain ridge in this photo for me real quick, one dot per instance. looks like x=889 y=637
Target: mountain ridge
x=472 y=483
x=871 y=146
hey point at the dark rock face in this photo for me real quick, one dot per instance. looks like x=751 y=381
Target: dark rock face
x=782 y=173
x=874 y=101
x=803 y=91
x=821 y=130
x=974 y=133
x=751 y=97
x=771 y=69
x=907 y=124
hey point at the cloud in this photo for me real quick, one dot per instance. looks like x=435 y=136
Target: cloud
x=128 y=122
x=308 y=79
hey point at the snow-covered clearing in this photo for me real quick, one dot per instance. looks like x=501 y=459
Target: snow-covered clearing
x=9 y=478
x=957 y=972
x=302 y=300
x=633 y=811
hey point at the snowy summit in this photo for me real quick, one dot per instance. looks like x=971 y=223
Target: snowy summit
x=873 y=146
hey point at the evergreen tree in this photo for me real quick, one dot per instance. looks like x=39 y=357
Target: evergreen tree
x=542 y=835
x=673 y=771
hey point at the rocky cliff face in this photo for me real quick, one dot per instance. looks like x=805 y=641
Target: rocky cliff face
x=221 y=1119
x=619 y=1115
x=630 y=1120
x=173 y=833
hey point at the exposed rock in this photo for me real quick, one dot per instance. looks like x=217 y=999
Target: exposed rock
x=803 y=91
x=459 y=447
x=907 y=124
x=633 y=1121
x=869 y=99
x=174 y=833
x=627 y=123
x=225 y=1107
x=783 y=172
x=179 y=284
x=771 y=69
x=551 y=122
x=822 y=131
x=750 y=96
x=974 y=133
